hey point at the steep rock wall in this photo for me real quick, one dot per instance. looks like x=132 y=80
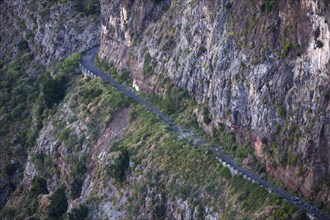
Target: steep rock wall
x=262 y=67
x=52 y=30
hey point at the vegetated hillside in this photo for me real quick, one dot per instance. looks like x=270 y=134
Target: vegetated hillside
x=76 y=148
x=100 y=156
x=34 y=36
x=260 y=67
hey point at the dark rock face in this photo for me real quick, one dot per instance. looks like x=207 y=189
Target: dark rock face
x=51 y=30
x=262 y=67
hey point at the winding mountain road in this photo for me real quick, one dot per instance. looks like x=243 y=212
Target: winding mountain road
x=87 y=62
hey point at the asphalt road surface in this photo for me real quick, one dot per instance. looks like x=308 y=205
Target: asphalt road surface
x=88 y=62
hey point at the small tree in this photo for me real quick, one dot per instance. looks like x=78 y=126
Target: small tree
x=206 y=115
x=79 y=213
x=39 y=186
x=53 y=91
x=71 y=63
x=119 y=168
x=58 y=204
x=23 y=45
x=76 y=187
x=10 y=169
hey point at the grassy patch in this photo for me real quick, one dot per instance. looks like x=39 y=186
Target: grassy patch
x=122 y=77
x=160 y=157
x=287 y=46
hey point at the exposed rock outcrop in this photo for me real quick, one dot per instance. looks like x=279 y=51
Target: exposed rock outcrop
x=46 y=32
x=51 y=30
x=266 y=74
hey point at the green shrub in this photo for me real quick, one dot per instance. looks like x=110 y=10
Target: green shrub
x=23 y=45
x=78 y=169
x=287 y=46
x=44 y=14
x=21 y=24
x=54 y=91
x=173 y=101
x=64 y=134
x=147 y=65
x=8 y=213
x=27 y=57
x=283 y=157
x=228 y=5
x=75 y=188
x=91 y=92
x=124 y=77
x=71 y=63
x=119 y=168
x=89 y=7
x=280 y=110
x=201 y=212
x=78 y=213
x=326 y=95
x=29 y=35
x=105 y=67
x=43 y=164
x=159 y=211
x=225 y=172
x=201 y=50
x=71 y=142
x=157 y=1
x=260 y=167
x=10 y=169
x=269 y=5
x=58 y=204
x=206 y=115
x=39 y=186
x=285 y=211
x=243 y=151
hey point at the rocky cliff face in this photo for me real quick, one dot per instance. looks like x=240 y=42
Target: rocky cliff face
x=261 y=66
x=51 y=30
x=96 y=155
x=41 y=33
